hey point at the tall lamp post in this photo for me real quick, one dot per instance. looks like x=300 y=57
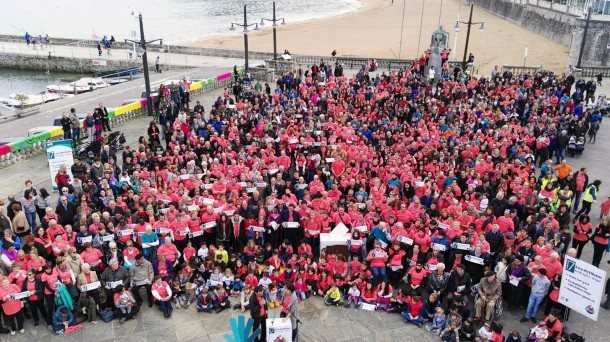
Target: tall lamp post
x=584 y=37
x=245 y=25
x=143 y=42
x=274 y=21
x=469 y=23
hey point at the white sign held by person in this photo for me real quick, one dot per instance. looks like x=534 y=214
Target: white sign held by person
x=59 y=153
x=582 y=287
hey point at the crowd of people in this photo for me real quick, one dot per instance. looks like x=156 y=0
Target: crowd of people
x=456 y=196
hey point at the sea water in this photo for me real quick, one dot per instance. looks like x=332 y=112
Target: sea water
x=30 y=82
x=174 y=21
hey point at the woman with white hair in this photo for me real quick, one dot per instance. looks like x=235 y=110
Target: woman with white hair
x=437 y=280
x=88 y=283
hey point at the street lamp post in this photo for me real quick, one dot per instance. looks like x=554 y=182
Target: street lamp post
x=143 y=42
x=245 y=25
x=274 y=21
x=469 y=23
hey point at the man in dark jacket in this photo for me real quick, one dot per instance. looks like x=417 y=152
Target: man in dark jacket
x=105 y=119
x=113 y=276
x=66 y=211
x=66 y=125
x=496 y=241
x=79 y=169
x=258 y=312
x=499 y=204
x=459 y=283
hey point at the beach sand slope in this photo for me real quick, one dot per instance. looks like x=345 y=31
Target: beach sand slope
x=374 y=31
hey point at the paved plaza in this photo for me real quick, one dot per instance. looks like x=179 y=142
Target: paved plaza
x=320 y=323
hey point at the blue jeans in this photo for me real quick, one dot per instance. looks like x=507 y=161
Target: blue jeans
x=31 y=217
x=560 y=155
x=378 y=274
x=75 y=133
x=418 y=321
x=576 y=200
x=165 y=306
x=333 y=301
x=532 y=306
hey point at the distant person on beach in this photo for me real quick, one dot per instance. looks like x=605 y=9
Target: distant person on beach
x=47 y=40
x=157 y=68
x=99 y=49
x=28 y=38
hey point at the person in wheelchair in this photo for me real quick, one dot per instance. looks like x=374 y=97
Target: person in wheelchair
x=489 y=292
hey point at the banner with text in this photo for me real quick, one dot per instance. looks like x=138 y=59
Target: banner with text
x=582 y=287
x=59 y=153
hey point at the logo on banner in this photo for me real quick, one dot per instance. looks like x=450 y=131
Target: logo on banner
x=570 y=266
x=50 y=155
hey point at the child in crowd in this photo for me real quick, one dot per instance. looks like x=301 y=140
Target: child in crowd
x=605 y=208
x=272 y=296
x=178 y=294
x=204 y=301
x=353 y=295
x=514 y=337
x=438 y=321
x=333 y=296
x=539 y=333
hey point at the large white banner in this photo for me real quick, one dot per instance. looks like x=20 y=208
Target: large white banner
x=59 y=153
x=582 y=287
x=278 y=330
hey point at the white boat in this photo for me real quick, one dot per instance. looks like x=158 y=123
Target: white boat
x=77 y=87
x=36 y=99
x=33 y=100
x=70 y=88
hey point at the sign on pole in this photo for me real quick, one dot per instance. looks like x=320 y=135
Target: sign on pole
x=59 y=153
x=582 y=287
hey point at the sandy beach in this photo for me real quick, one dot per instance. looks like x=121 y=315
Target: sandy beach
x=375 y=31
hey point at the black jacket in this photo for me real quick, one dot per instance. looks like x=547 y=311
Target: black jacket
x=66 y=215
x=456 y=281
x=255 y=308
x=38 y=286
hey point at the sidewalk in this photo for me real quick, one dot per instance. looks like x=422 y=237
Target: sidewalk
x=167 y=60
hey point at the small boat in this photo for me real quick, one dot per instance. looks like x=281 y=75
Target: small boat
x=70 y=88
x=33 y=100
x=78 y=87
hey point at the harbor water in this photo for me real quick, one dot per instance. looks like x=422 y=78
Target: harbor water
x=30 y=82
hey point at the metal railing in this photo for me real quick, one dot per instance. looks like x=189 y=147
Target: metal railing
x=518 y=70
x=594 y=71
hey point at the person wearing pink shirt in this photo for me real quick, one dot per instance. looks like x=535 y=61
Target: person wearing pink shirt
x=11 y=307
x=169 y=250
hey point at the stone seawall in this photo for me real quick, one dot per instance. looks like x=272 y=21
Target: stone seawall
x=62 y=64
x=564 y=28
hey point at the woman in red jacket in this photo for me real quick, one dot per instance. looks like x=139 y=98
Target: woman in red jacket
x=368 y=295
x=582 y=228
x=377 y=260
x=11 y=307
x=395 y=263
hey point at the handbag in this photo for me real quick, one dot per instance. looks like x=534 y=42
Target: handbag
x=106 y=315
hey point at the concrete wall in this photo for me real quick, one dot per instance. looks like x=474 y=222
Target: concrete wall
x=74 y=65
x=564 y=28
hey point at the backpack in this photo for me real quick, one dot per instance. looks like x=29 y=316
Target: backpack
x=106 y=315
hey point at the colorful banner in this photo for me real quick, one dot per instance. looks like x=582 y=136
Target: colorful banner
x=59 y=153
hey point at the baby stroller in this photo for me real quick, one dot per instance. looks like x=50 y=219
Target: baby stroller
x=576 y=146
